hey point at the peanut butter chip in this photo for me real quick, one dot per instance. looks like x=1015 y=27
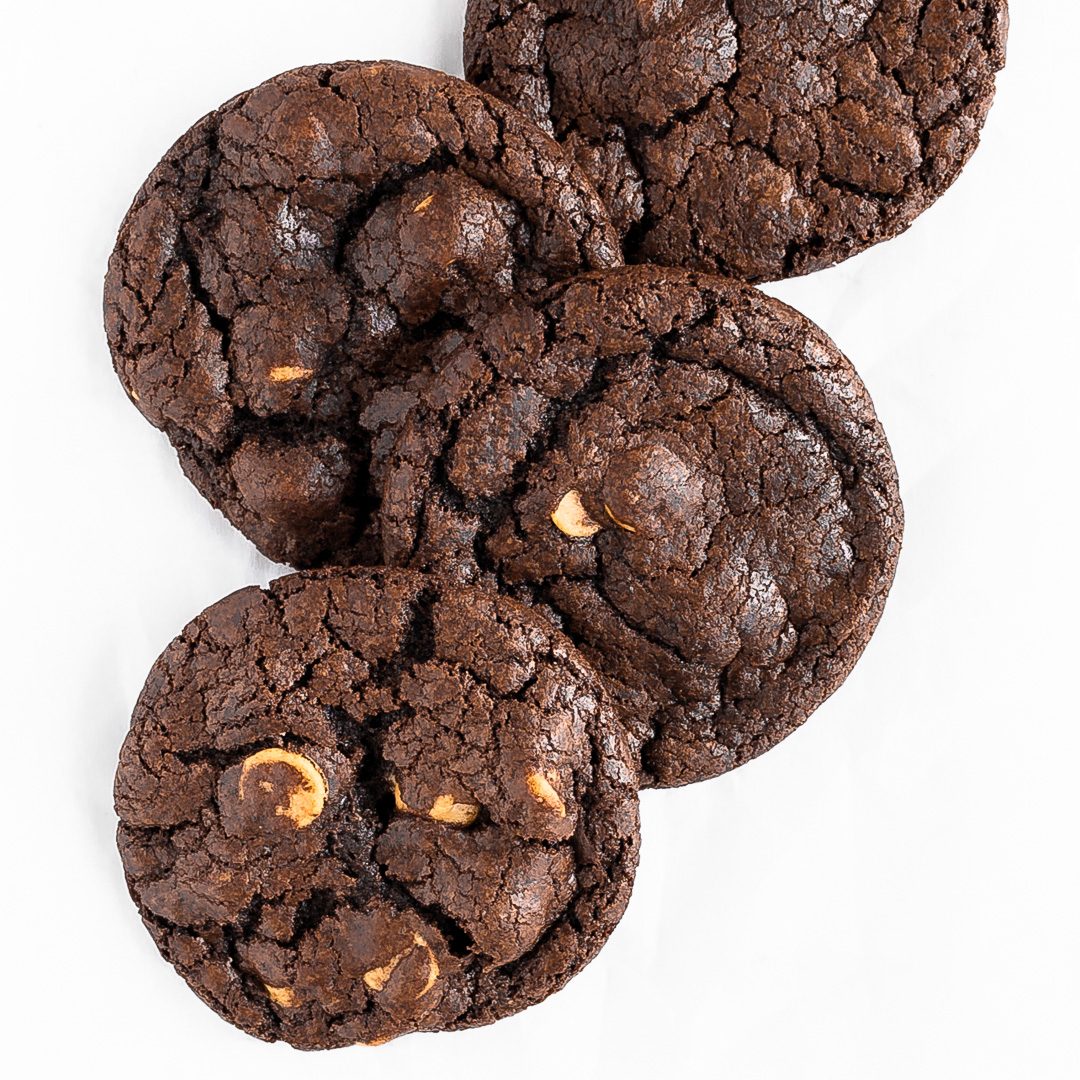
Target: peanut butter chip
x=572 y=518
x=290 y=374
x=621 y=524
x=281 y=995
x=307 y=799
x=540 y=788
x=377 y=978
x=433 y=966
x=453 y=813
x=445 y=809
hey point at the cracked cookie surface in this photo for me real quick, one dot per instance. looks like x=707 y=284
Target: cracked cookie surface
x=278 y=277
x=687 y=476
x=362 y=803
x=760 y=139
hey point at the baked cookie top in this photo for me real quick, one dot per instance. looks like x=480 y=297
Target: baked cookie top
x=760 y=139
x=687 y=476
x=363 y=803
x=280 y=274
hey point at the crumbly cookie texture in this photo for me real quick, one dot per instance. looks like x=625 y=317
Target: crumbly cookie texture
x=686 y=476
x=761 y=139
x=363 y=803
x=280 y=275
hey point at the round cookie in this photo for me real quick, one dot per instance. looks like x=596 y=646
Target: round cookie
x=761 y=139
x=281 y=273
x=687 y=476
x=361 y=803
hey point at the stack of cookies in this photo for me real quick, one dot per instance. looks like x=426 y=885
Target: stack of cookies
x=576 y=509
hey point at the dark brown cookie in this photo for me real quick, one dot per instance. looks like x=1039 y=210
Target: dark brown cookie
x=361 y=803
x=282 y=271
x=756 y=138
x=688 y=477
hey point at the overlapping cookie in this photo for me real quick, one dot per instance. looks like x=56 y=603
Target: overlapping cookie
x=284 y=268
x=363 y=803
x=638 y=523
x=687 y=476
x=755 y=138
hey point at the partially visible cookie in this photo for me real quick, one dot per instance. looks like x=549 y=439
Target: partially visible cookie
x=362 y=803
x=283 y=270
x=687 y=476
x=755 y=138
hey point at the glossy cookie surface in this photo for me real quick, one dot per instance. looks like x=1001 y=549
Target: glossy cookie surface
x=360 y=804
x=282 y=271
x=755 y=138
x=686 y=476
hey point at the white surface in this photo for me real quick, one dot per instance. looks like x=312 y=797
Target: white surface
x=892 y=893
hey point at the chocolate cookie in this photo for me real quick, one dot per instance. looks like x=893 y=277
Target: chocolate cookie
x=687 y=476
x=756 y=138
x=283 y=269
x=360 y=804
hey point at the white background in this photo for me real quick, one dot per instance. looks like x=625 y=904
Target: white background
x=891 y=893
